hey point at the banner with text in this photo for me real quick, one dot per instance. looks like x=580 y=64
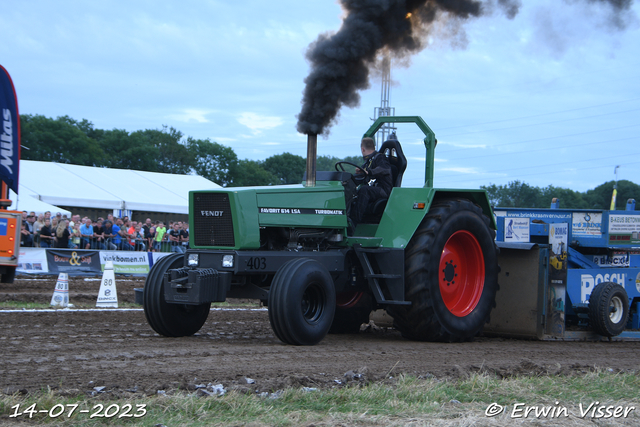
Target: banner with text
x=126 y=262
x=9 y=132
x=32 y=261
x=77 y=262
x=72 y=261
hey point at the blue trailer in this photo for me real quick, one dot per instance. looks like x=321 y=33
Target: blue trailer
x=568 y=273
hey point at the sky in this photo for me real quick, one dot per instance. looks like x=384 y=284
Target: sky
x=550 y=97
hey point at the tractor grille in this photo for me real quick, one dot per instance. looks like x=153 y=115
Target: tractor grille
x=212 y=220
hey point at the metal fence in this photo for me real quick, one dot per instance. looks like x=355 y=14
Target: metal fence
x=143 y=245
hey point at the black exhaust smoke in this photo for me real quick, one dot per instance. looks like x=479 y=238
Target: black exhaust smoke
x=341 y=62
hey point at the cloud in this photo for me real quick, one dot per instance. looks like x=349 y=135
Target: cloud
x=454 y=144
x=279 y=31
x=472 y=171
x=258 y=123
x=223 y=139
x=190 y=115
x=424 y=159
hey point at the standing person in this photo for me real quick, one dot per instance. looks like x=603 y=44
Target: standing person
x=36 y=229
x=75 y=240
x=86 y=234
x=46 y=236
x=39 y=223
x=151 y=238
x=146 y=227
x=75 y=219
x=30 y=227
x=184 y=235
x=175 y=237
x=109 y=235
x=117 y=237
x=160 y=231
x=31 y=219
x=25 y=237
x=376 y=178
x=140 y=238
x=120 y=236
x=131 y=231
x=145 y=230
x=62 y=233
x=98 y=235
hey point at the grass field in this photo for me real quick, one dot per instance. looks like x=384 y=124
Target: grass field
x=600 y=397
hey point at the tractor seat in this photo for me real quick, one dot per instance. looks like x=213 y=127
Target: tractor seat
x=393 y=150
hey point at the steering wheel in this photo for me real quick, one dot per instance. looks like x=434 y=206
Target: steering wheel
x=341 y=167
x=357 y=178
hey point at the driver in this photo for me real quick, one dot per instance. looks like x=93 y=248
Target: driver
x=375 y=175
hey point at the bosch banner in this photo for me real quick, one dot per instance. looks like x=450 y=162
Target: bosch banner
x=9 y=132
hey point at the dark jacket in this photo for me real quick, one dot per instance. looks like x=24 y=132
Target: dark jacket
x=379 y=169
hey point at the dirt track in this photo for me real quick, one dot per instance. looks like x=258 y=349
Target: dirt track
x=77 y=351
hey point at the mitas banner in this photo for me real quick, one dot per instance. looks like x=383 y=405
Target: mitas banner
x=9 y=132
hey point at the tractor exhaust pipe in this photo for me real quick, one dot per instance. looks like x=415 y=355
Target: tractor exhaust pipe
x=312 y=154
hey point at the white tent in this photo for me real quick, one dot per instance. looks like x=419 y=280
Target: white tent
x=29 y=202
x=59 y=184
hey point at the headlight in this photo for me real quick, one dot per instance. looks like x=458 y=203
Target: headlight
x=227 y=261
x=193 y=260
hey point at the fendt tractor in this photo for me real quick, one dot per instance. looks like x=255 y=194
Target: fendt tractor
x=426 y=255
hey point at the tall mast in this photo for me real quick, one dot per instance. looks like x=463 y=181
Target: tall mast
x=384 y=109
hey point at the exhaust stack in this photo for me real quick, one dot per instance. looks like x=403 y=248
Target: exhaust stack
x=312 y=153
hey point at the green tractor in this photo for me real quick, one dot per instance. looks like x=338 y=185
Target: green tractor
x=427 y=256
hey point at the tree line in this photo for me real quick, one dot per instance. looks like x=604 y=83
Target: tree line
x=518 y=194
x=166 y=150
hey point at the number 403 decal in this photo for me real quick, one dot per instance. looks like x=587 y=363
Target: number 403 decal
x=257 y=263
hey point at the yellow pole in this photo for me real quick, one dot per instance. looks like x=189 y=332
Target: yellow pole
x=613 y=199
x=615 y=190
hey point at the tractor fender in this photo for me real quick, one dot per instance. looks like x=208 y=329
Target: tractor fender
x=407 y=207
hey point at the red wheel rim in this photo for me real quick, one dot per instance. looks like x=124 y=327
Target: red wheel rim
x=461 y=273
x=348 y=299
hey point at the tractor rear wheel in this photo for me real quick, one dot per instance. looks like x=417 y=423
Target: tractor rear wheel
x=170 y=320
x=451 y=274
x=302 y=301
x=352 y=310
x=609 y=309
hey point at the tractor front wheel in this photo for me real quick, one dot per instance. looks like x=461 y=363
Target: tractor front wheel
x=302 y=301
x=451 y=274
x=170 y=320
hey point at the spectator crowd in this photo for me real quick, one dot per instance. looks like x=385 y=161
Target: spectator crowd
x=47 y=231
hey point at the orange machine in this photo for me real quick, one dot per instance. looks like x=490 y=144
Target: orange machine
x=10 y=225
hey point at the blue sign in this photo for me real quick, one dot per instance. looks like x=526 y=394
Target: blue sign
x=4 y=223
x=9 y=132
